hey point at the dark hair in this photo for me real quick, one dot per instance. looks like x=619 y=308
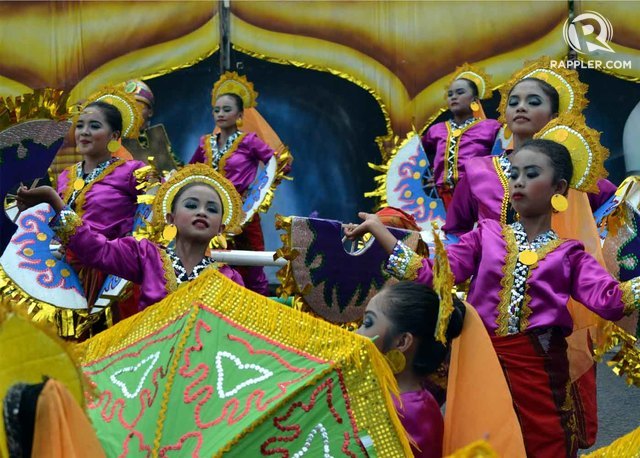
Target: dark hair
x=189 y=186
x=558 y=155
x=111 y=114
x=473 y=86
x=236 y=97
x=413 y=307
x=547 y=89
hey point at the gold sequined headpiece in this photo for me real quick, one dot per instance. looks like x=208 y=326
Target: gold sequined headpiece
x=570 y=89
x=232 y=83
x=477 y=75
x=125 y=102
x=197 y=173
x=587 y=153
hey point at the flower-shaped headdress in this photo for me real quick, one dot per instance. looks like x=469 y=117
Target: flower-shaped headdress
x=125 y=102
x=477 y=75
x=587 y=153
x=570 y=89
x=197 y=173
x=232 y=83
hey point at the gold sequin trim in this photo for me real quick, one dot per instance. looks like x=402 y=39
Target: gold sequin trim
x=505 y=186
x=456 y=149
x=630 y=295
x=171 y=282
x=72 y=222
x=542 y=252
x=511 y=257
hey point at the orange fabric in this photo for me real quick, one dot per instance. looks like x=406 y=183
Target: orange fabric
x=62 y=430
x=479 y=403
x=394 y=217
x=577 y=223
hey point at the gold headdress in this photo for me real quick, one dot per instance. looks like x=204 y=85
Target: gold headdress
x=125 y=102
x=197 y=173
x=477 y=75
x=570 y=89
x=587 y=153
x=232 y=83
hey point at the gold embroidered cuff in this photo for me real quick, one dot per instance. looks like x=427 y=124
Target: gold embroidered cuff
x=631 y=295
x=403 y=262
x=65 y=224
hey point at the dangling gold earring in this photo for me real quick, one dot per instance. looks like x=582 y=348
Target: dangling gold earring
x=475 y=108
x=219 y=241
x=113 y=146
x=559 y=203
x=239 y=123
x=169 y=232
x=396 y=359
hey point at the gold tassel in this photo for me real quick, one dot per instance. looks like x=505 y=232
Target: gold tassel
x=442 y=284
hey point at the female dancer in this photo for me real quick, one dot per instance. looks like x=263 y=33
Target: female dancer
x=451 y=144
x=402 y=319
x=523 y=275
x=195 y=204
x=237 y=156
x=532 y=98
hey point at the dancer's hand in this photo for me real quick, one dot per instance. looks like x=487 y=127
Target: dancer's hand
x=373 y=225
x=353 y=231
x=27 y=198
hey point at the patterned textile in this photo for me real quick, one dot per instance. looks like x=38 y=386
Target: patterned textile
x=201 y=373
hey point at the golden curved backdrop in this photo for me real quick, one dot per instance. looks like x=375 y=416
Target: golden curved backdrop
x=81 y=46
x=401 y=52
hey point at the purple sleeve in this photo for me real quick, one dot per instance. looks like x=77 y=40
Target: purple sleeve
x=606 y=190
x=259 y=149
x=199 y=156
x=464 y=258
x=231 y=274
x=463 y=210
x=124 y=257
x=594 y=287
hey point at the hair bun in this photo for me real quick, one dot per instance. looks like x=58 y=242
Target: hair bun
x=457 y=318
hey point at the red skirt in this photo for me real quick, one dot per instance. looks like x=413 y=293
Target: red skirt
x=251 y=238
x=550 y=408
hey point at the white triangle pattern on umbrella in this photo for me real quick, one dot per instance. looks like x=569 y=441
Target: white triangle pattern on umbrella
x=264 y=374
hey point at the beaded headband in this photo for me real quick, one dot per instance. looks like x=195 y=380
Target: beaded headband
x=587 y=153
x=125 y=103
x=570 y=89
x=197 y=173
x=232 y=83
x=140 y=91
x=477 y=75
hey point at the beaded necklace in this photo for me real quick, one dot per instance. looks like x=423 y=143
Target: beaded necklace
x=217 y=153
x=181 y=272
x=452 y=148
x=83 y=179
x=527 y=256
